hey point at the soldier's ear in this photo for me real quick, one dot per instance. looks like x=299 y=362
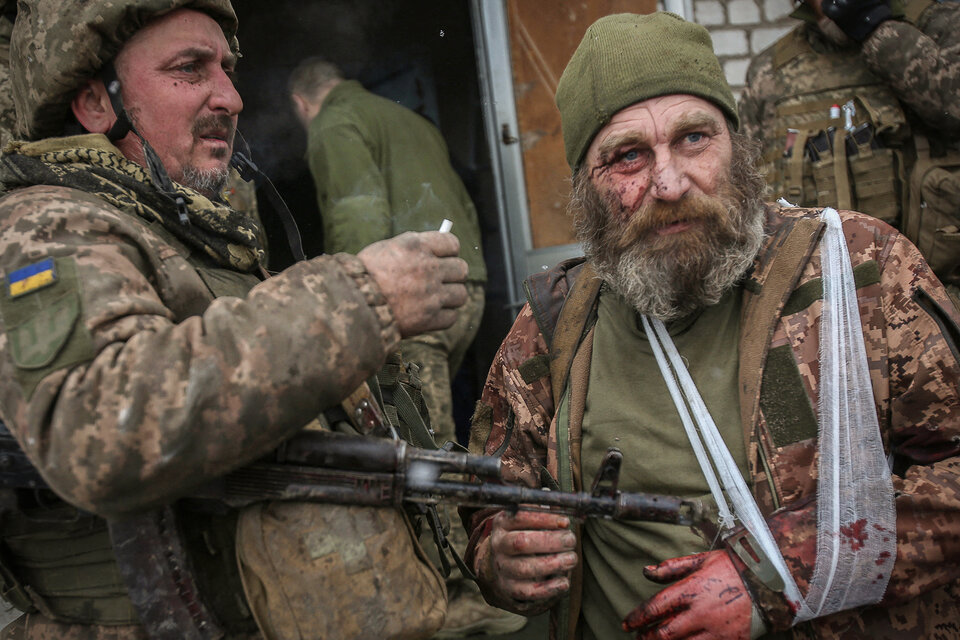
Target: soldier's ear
x=92 y=108
x=301 y=106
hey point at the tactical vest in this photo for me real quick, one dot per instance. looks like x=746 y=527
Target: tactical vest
x=843 y=139
x=58 y=560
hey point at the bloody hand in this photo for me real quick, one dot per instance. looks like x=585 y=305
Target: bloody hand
x=708 y=600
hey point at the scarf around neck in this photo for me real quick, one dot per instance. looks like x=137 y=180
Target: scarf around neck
x=90 y=163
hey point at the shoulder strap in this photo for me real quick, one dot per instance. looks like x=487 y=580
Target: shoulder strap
x=571 y=325
x=546 y=292
x=915 y=8
x=793 y=247
x=789 y=47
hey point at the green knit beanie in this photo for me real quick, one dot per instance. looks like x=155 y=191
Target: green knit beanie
x=627 y=58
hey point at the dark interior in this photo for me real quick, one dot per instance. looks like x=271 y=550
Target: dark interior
x=419 y=53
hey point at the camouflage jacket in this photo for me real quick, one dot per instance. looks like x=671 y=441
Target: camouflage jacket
x=920 y=64
x=910 y=342
x=125 y=380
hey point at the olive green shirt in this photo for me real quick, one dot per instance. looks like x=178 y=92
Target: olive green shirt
x=628 y=406
x=381 y=169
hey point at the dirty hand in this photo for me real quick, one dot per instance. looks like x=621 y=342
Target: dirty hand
x=421 y=277
x=528 y=556
x=708 y=601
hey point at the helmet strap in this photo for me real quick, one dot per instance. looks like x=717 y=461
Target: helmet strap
x=249 y=171
x=123 y=126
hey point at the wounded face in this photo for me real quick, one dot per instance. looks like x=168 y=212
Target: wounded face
x=670 y=257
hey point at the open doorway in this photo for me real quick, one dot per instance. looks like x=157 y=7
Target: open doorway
x=419 y=53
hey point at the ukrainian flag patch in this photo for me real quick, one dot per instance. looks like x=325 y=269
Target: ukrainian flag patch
x=32 y=277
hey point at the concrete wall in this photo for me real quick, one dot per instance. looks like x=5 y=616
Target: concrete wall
x=740 y=29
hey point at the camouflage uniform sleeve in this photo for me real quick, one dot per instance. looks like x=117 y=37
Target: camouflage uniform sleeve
x=922 y=65
x=512 y=417
x=148 y=404
x=921 y=430
x=924 y=434
x=757 y=106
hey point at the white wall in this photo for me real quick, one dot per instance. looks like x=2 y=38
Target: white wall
x=740 y=29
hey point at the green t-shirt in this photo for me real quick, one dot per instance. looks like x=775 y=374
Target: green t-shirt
x=628 y=406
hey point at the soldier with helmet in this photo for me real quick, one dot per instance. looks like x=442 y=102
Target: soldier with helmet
x=144 y=350
x=857 y=108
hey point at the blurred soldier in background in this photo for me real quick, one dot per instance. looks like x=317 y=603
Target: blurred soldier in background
x=857 y=108
x=8 y=116
x=381 y=169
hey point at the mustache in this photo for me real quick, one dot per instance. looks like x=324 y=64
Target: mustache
x=653 y=216
x=215 y=125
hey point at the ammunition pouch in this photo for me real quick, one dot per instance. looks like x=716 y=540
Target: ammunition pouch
x=846 y=162
x=294 y=555
x=843 y=140
x=841 y=136
x=58 y=561
x=61 y=562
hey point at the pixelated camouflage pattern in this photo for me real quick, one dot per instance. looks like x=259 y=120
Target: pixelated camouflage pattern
x=180 y=388
x=35 y=626
x=915 y=375
x=439 y=355
x=8 y=114
x=58 y=44
x=92 y=164
x=920 y=64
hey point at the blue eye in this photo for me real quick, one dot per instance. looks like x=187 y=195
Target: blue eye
x=631 y=155
x=694 y=137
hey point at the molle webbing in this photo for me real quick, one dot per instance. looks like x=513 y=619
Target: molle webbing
x=839 y=134
x=59 y=561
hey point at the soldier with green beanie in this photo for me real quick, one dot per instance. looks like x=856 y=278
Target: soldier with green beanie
x=144 y=349
x=767 y=360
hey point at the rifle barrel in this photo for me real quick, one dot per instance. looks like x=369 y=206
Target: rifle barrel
x=620 y=506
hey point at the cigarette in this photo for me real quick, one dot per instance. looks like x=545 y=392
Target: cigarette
x=446 y=225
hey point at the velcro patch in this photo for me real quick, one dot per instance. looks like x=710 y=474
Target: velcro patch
x=31 y=278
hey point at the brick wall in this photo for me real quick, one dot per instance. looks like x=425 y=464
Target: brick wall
x=740 y=29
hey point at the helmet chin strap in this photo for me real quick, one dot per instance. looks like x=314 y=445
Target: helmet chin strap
x=123 y=126
x=158 y=174
x=240 y=160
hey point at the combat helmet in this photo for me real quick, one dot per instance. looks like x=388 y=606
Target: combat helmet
x=58 y=44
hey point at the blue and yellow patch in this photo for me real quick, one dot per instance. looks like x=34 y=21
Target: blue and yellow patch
x=32 y=277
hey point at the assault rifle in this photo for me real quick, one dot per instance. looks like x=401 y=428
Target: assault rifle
x=323 y=466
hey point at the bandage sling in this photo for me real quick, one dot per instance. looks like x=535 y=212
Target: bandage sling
x=856 y=516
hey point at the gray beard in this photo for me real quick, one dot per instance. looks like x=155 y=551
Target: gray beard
x=687 y=274
x=209 y=182
x=660 y=286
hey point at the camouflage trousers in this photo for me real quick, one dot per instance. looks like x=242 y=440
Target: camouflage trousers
x=439 y=355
